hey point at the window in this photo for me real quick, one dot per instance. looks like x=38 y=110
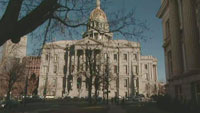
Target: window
x=125 y=57
x=55 y=57
x=45 y=69
x=115 y=69
x=146 y=66
x=178 y=92
x=115 y=57
x=54 y=82
x=126 y=69
x=167 y=27
x=135 y=69
x=96 y=35
x=79 y=64
x=72 y=68
x=126 y=83
x=55 y=69
x=47 y=57
x=134 y=56
x=170 y=66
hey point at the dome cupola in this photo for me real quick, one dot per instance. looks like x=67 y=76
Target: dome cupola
x=98 y=27
x=98 y=14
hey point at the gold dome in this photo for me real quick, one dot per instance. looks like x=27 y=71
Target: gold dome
x=98 y=14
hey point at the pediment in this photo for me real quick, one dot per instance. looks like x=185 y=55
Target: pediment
x=88 y=41
x=55 y=46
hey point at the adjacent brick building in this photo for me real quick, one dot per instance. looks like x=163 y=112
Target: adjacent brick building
x=33 y=73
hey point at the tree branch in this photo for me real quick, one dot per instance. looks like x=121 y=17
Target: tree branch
x=30 y=22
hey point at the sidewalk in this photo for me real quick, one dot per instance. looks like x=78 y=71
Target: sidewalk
x=116 y=109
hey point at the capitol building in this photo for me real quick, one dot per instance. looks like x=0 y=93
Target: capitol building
x=67 y=65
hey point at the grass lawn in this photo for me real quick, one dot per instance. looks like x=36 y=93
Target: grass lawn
x=146 y=108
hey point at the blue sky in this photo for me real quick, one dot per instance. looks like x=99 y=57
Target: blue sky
x=144 y=10
x=147 y=9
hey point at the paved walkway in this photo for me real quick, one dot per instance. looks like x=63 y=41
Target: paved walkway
x=116 y=109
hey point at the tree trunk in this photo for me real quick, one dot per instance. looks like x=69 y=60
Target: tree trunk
x=8 y=92
x=14 y=29
x=90 y=94
x=107 y=95
x=96 y=95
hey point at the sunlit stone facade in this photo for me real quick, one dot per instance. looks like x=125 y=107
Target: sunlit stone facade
x=63 y=69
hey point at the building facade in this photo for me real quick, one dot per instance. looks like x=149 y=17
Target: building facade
x=18 y=50
x=32 y=72
x=15 y=52
x=181 y=28
x=67 y=65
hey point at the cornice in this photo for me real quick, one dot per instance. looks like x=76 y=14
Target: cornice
x=162 y=9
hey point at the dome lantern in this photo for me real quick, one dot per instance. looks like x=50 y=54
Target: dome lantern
x=98 y=4
x=98 y=27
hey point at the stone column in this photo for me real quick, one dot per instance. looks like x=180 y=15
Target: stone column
x=68 y=62
x=156 y=73
x=191 y=36
x=175 y=38
x=75 y=59
x=84 y=78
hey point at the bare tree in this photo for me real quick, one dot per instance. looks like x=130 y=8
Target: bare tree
x=10 y=52
x=24 y=16
x=95 y=68
x=49 y=89
x=12 y=72
x=90 y=71
x=33 y=84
